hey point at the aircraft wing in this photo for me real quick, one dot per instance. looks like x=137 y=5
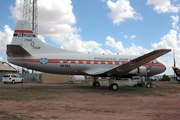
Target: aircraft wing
x=135 y=63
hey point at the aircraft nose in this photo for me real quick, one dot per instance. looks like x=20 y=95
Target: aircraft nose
x=162 y=67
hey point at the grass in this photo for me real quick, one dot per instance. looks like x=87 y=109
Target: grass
x=27 y=94
x=50 y=91
x=123 y=89
x=38 y=92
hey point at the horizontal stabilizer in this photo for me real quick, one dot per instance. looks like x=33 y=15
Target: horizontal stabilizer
x=16 y=51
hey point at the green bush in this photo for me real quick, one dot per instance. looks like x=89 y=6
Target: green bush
x=165 y=78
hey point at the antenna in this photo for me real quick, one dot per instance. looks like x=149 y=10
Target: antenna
x=174 y=63
x=30 y=14
x=174 y=57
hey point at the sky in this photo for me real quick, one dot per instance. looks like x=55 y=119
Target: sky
x=133 y=27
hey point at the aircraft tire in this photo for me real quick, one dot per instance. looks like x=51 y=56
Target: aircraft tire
x=96 y=84
x=113 y=86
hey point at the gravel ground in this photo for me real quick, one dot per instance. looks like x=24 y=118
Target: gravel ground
x=35 y=101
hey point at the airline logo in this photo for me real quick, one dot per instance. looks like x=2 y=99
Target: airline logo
x=24 y=33
x=43 y=60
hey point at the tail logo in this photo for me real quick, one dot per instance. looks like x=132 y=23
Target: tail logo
x=24 y=33
x=33 y=45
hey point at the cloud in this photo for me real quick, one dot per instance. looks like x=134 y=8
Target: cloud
x=121 y=11
x=72 y=41
x=119 y=48
x=130 y=37
x=1 y=59
x=54 y=16
x=125 y=36
x=171 y=39
x=175 y=20
x=103 y=51
x=56 y=20
x=163 y=6
x=17 y=10
x=5 y=37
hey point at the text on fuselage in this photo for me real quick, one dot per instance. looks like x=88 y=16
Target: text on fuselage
x=32 y=44
x=110 y=59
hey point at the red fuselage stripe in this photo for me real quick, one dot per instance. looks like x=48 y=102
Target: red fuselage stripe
x=67 y=61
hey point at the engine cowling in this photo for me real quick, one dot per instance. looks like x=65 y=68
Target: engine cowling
x=141 y=71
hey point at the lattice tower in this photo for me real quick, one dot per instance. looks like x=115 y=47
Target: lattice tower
x=30 y=13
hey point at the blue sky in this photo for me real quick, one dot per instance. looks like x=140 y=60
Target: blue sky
x=101 y=26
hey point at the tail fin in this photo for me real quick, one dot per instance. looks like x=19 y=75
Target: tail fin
x=177 y=72
x=25 y=40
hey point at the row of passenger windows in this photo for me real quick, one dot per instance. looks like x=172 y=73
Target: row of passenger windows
x=90 y=62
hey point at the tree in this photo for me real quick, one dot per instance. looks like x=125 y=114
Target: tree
x=165 y=78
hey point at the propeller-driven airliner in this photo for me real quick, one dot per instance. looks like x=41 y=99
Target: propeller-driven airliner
x=26 y=50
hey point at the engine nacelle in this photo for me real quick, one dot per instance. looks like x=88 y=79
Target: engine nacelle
x=141 y=71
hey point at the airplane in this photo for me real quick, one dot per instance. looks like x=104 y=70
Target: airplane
x=177 y=72
x=26 y=50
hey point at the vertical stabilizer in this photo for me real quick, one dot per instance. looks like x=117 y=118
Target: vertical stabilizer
x=25 y=37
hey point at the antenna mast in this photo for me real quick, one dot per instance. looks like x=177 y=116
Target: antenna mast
x=30 y=13
x=174 y=57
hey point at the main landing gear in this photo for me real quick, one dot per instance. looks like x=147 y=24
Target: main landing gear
x=112 y=86
x=95 y=82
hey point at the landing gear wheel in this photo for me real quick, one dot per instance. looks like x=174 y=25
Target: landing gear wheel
x=113 y=87
x=149 y=85
x=96 y=84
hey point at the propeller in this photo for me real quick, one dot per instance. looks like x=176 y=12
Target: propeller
x=174 y=63
x=174 y=57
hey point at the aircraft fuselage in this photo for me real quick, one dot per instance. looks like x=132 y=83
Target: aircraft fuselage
x=78 y=64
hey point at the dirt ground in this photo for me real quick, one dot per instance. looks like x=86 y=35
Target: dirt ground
x=35 y=101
